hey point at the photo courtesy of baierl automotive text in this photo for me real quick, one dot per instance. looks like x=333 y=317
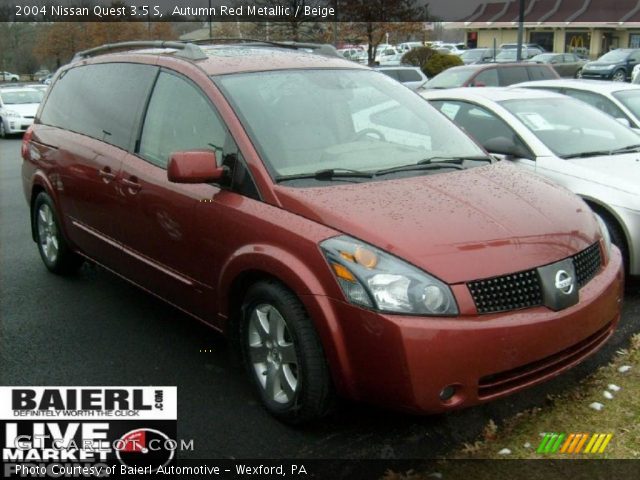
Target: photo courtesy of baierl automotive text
x=394 y=239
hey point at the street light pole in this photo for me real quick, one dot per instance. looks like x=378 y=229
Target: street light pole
x=520 y=31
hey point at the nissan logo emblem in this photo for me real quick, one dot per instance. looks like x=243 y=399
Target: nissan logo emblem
x=564 y=282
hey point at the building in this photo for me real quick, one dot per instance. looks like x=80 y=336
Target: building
x=588 y=27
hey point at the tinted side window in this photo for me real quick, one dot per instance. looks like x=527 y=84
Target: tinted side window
x=511 y=75
x=599 y=101
x=102 y=101
x=409 y=76
x=391 y=73
x=179 y=117
x=487 y=78
x=540 y=72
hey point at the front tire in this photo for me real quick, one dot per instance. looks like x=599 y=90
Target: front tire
x=53 y=248
x=619 y=76
x=283 y=355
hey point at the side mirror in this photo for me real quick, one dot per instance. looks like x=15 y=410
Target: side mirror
x=624 y=121
x=194 y=166
x=505 y=146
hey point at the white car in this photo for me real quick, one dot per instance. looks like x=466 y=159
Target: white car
x=635 y=72
x=18 y=107
x=618 y=99
x=9 y=77
x=568 y=141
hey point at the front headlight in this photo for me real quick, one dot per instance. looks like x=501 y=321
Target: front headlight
x=12 y=114
x=375 y=279
x=604 y=231
x=610 y=67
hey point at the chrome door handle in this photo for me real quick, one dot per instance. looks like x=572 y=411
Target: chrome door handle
x=106 y=174
x=132 y=184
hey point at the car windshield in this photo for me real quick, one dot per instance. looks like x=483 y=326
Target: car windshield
x=630 y=99
x=19 y=97
x=571 y=128
x=451 y=78
x=305 y=121
x=614 y=56
x=509 y=54
x=472 y=54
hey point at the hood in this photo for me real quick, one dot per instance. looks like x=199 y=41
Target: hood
x=621 y=172
x=24 y=109
x=459 y=226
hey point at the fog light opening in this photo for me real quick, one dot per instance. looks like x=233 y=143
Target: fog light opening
x=448 y=393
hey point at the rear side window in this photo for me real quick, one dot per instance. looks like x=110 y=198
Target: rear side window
x=487 y=78
x=511 y=75
x=391 y=73
x=409 y=76
x=539 y=72
x=599 y=101
x=179 y=118
x=103 y=101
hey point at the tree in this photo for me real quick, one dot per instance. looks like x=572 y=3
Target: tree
x=375 y=18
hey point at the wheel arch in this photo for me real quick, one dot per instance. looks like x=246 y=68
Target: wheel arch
x=609 y=214
x=263 y=263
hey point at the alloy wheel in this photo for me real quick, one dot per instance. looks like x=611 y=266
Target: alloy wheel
x=47 y=233
x=272 y=354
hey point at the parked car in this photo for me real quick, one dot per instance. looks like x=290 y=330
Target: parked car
x=509 y=55
x=615 y=65
x=385 y=53
x=491 y=75
x=409 y=76
x=454 y=48
x=18 y=106
x=566 y=64
x=354 y=54
x=572 y=143
x=478 y=55
x=620 y=100
x=9 y=77
x=510 y=46
x=40 y=75
x=408 y=46
x=347 y=238
x=47 y=80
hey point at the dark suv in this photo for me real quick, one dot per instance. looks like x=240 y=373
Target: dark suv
x=615 y=65
x=491 y=75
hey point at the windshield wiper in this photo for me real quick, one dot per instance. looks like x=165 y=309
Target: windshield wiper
x=629 y=148
x=432 y=163
x=326 y=174
x=595 y=153
x=456 y=160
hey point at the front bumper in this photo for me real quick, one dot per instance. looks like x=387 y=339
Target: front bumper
x=405 y=362
x=598 y=74
x=17 y=124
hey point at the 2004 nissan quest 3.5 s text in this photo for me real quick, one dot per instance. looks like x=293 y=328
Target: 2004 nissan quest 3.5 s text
x=343 y=233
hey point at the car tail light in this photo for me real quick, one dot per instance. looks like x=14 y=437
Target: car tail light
x=26 y=139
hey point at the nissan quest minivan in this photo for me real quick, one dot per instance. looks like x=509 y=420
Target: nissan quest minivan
x=344 y=234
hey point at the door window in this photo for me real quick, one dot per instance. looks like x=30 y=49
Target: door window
x=179 y=118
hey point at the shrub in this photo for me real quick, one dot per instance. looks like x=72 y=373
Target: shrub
x=439 y=62
x=418 y=57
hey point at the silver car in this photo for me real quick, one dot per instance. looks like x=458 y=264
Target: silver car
x=618 y=99
x=572 y=143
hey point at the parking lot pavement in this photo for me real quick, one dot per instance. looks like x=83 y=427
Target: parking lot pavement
x=96 y=329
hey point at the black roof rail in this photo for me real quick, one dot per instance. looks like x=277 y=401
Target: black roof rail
x=320 y=48
x=185 y=50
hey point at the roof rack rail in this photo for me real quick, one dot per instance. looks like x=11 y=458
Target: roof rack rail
x=320 y=48
x=185 y=50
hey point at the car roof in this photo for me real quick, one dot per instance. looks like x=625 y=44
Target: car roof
x=396 y=67
x=240 y=58
x=599 y=86
x=495 y=94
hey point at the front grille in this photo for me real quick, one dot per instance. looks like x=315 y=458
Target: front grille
x=587 y=263
x=523 y=290
x=500 y=383
x=510 y=292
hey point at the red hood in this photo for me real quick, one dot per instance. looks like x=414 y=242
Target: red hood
x=458 y=226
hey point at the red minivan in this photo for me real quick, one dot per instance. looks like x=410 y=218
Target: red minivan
x=345 y=235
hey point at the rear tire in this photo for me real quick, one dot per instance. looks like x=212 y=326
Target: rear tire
x=283 y=355
x=53 y=248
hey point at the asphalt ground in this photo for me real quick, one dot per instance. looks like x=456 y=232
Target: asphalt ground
x=96 y=329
